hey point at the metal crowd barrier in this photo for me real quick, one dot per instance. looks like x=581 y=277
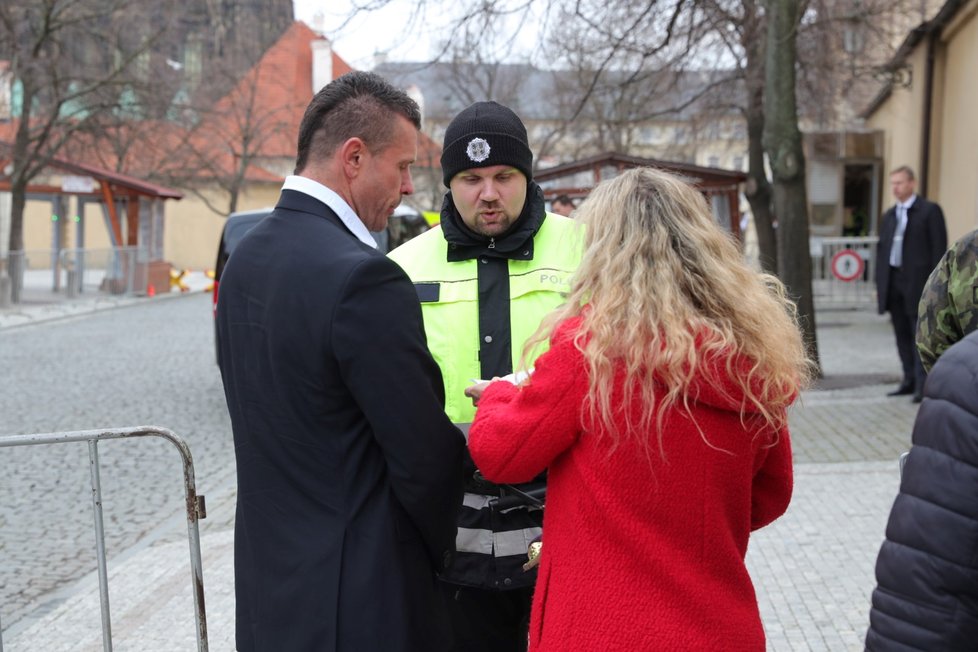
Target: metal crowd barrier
x=832 y=291
x=194 y=504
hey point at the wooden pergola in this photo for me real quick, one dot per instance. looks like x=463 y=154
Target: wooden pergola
x=132 y=208
x=112 y=189
x=577 y=178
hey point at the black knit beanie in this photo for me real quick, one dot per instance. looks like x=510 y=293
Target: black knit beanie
x=482 y=135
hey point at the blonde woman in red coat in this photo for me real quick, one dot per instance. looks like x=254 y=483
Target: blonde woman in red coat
x=660 y=412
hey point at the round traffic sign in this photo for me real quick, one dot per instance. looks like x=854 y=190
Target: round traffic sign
x=847 y=265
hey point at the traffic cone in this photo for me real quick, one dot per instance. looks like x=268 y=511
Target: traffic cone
x=151 y=291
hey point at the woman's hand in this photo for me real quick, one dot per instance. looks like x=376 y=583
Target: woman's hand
x=474 y=392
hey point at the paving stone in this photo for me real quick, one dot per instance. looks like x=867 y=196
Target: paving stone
x=152 y=362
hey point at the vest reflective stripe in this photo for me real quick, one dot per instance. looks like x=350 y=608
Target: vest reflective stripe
x=472 y=540
x=452 y=322
x=475 y=501
x=515 y=542
x=511 y=543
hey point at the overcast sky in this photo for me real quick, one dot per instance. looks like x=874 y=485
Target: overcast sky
x=391 y=29
x=394 y=29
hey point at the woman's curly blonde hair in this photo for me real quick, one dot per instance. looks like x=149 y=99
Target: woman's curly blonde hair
x=662 y=291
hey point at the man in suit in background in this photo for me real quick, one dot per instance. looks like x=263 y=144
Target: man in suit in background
x=913 y=237
x=562 y=205
x=349 y=472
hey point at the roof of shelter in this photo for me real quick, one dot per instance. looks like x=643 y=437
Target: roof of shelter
x=582 y=175
x=120 y=183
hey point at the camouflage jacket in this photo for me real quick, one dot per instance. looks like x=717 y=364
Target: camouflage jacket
x=949 y=305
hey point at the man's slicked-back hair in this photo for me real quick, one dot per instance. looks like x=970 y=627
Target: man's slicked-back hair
x=357 y=105
x=904 y=169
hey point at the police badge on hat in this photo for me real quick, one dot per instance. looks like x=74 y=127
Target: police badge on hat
x=478 y=150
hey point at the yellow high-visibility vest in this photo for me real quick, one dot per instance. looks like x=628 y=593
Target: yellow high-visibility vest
x=450 y=300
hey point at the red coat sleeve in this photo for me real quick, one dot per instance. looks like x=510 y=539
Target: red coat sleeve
x=518 y=431
x=773 y=481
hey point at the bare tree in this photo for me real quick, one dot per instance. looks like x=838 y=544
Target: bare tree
x=758 y=190
x=71 y=59
x=231 y=137
x=200 y=137
x=783 y=145
x=624 y=60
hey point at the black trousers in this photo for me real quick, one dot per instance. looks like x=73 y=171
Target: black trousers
x=488 y=621
x=905 y=330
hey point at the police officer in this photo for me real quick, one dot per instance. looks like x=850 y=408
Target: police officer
x=486 y=276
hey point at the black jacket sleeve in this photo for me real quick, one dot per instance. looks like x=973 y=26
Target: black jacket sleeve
x=379 y=341
x=926 y=596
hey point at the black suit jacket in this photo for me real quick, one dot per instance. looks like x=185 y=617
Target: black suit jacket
x=348 y=468
x=924 y=242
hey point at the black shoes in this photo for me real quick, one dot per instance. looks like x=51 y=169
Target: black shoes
x=905 y=389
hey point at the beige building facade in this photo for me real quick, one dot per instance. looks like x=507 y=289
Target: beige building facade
x=192 y=228
x=926 y=112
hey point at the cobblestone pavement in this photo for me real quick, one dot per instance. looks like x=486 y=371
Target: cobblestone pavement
x=151 y=362
x=813 y=568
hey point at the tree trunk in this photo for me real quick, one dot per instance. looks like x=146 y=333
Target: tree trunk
x=758 y=190
x=15 y=250
x=783 y=144
x=758 y=187
x=18 y=195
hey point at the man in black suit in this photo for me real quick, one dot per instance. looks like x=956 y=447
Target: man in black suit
x=913 y=237
x=348 y=469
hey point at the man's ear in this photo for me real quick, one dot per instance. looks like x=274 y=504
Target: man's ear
x=351 y=154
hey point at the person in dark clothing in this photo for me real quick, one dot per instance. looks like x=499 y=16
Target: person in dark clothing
x=348 y=469
x=494 y=267
x=562 y=205
x=913 y=237
x=927 y=569
x=926 y=596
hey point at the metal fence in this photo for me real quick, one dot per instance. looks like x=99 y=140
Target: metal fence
x=46 y=274
x=837 y=259
x=194 y=507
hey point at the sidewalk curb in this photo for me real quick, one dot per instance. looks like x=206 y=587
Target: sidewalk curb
x=19 y=316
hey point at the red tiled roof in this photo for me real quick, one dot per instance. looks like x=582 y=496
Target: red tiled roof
x=268 y=102
x=277 y=90
x=261 y=113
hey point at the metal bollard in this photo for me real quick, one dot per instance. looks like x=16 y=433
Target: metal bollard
x=71 y=291
x=5 y=294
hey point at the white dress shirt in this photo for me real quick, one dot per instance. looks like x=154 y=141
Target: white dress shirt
x=896 y=249
x=338 y=205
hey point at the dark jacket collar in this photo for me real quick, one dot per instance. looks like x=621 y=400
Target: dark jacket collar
x=515 y=244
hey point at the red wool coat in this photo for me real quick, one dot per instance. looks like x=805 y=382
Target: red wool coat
x=640 y=552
